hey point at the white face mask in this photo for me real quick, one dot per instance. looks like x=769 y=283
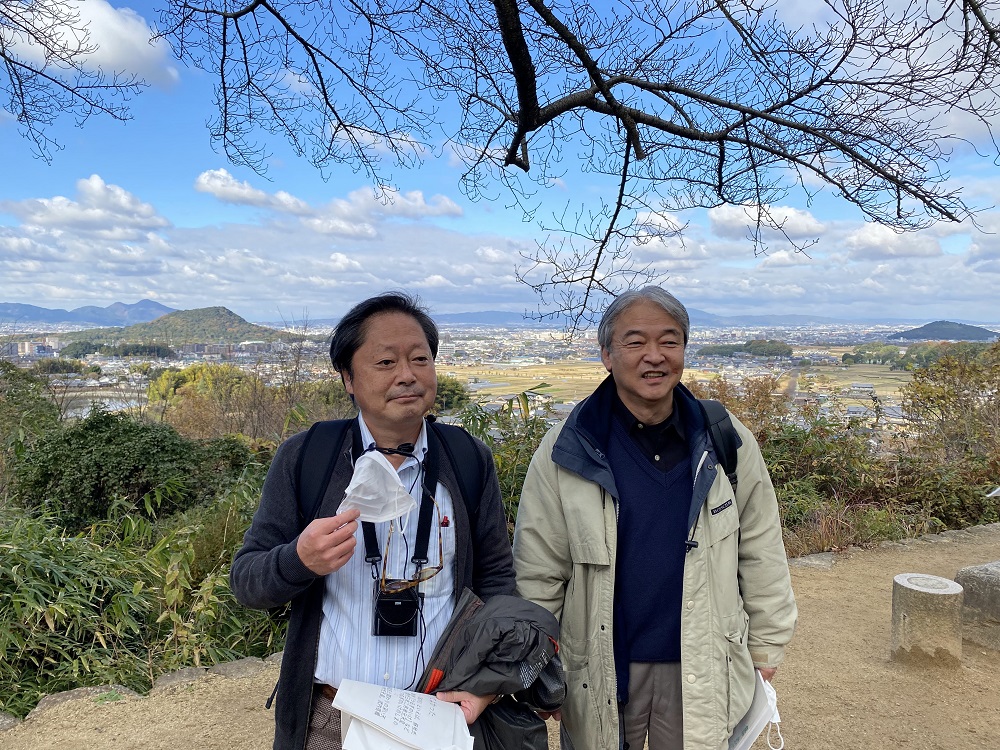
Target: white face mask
x=376 y=491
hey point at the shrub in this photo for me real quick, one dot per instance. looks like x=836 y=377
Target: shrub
x=72 y=613
x=78 y=472
x=26 y=413
x=513 y=433
x=125 y=601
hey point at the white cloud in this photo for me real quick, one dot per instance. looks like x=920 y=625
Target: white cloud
x=226 y=188
x=122 y=38
x=331 y=225
x=411 y=205
x=434 y=281
x=493 y=255
x=874 y=241
x=105 y=244
x=733 y=222
x=785 y=259
x=105 y=210
x=341 y=263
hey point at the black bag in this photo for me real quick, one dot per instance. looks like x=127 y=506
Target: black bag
x=509 y=725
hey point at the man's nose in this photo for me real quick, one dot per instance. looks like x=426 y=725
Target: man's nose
x=653 y=353
x=404 y=373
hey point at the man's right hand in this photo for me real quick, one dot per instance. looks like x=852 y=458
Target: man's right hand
x=326 y=544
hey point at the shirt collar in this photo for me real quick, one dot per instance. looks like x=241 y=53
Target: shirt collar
x=633 y=425
x=419 y=447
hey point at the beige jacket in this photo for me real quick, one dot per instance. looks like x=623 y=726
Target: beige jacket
x=739 y=610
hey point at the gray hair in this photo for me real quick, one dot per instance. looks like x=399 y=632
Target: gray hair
x=670 y=304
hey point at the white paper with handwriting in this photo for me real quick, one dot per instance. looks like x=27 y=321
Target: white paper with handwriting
x=374 y=717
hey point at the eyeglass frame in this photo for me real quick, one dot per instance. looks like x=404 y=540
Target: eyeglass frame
x=394 y=585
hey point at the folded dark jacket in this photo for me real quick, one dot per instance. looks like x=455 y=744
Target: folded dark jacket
x=509 y=646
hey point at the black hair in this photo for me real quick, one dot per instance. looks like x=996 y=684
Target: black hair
x=353 y=327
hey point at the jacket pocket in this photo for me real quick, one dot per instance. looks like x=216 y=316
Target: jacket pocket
x=739 y=668
x=581 y=714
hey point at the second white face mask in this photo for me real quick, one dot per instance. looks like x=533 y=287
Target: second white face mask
x=376 y=491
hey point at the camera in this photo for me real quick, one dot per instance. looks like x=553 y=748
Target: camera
x=396 y=612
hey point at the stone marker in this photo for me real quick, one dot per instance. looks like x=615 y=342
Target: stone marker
x=981 y=603
x=926 y=620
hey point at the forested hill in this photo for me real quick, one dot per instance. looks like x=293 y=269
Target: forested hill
x=206 y=325
x=945 y=330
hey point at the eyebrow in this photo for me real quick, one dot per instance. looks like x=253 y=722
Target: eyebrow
x=638 y=332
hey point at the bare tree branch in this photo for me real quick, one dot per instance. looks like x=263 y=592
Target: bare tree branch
x=46 y=70
x=680 y=105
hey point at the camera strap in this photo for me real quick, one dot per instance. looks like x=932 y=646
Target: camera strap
x=429 y=471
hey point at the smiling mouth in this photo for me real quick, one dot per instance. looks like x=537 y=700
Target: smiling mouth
x=653 y=374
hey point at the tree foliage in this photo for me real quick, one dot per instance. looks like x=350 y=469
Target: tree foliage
x=955 y=404
x=123 y=601
x=513 y=432
x=78 y=349
x=211 y=399
x=80 y=471
x=452 y=394
x=59 y=366
x=755 y=348
x=26 y=414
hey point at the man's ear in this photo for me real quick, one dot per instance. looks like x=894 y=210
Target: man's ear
x=348 y=382
x=606 y=359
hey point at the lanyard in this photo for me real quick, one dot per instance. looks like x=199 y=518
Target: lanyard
x=429 y=473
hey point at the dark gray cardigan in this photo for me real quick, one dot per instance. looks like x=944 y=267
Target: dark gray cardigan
x=267 y=571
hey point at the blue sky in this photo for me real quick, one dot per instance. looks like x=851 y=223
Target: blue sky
x=147 y=209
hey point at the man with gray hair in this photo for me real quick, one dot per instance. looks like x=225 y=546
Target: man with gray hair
x=670 y=581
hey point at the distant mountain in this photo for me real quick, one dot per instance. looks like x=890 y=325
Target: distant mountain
x=704 y=319
x=117 y=314
x=945 y=330
x=206 y=325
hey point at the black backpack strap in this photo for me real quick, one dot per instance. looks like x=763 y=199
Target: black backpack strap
x=321 y=447
x=315 y=465
x=724 y=436
x=468 y=463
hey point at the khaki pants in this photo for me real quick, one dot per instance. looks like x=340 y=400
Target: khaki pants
x=655 y=710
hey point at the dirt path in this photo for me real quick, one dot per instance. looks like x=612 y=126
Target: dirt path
x=836 y=690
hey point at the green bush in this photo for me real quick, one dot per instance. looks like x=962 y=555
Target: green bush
x=125 y=601
x=72 y=613
x=78 y=472
x=26 y=413
x=513 y=433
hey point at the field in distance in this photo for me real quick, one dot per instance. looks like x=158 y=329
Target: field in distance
x=571 y=381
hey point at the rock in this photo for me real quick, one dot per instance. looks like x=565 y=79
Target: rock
x=7 y=721
x=275 y=658
x=982 y=591
x=821 y=560
x=240 y=668
x=104 y=693
x=180 y=677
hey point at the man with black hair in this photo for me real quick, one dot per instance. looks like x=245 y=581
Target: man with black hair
x=668 y=578
x=345 y=601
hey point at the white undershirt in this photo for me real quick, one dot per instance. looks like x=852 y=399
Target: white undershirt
x=347 y=649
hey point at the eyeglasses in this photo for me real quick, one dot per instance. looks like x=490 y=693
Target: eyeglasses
x=421 y=574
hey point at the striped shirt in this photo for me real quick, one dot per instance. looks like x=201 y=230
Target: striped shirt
x=347 y=649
